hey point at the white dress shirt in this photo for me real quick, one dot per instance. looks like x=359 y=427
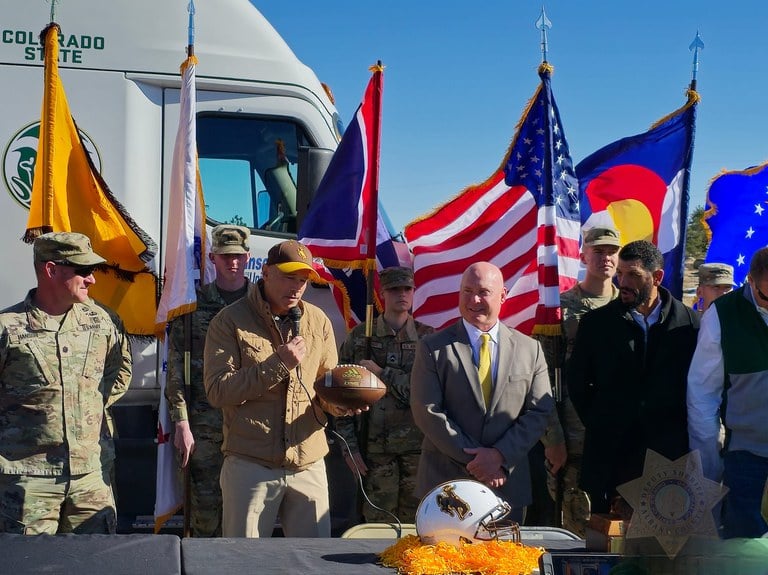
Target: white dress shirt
x=706 y=379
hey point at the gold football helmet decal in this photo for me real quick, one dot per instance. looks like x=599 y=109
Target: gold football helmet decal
x=452 y=504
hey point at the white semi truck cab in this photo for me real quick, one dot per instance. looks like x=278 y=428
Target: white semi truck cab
x=260 y=114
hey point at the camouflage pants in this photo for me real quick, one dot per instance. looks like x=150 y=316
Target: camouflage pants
x=66 y=504
x=575 y=501
x=205 y=491
x=390 y=484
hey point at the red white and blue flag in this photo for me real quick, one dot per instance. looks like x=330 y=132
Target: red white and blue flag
x=524 y=219
x=349 y=285
x=345 y=226
x=639 y=185
x=340 y=226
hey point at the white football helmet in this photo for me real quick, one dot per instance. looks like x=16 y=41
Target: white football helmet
x=463 y=510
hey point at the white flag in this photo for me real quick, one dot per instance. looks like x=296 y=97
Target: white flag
x=168 y=495
x=185 y=242
x=183 y=256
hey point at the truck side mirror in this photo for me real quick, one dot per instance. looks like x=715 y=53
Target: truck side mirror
x=312 y=165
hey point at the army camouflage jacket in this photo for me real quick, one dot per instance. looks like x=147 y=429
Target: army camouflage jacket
x=56 y=381
x=388 y=426
x=209 y=303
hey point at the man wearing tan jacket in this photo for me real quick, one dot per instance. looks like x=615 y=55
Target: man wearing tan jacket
x=260 y=371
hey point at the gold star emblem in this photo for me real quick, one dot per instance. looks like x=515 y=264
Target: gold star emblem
x=672 y=501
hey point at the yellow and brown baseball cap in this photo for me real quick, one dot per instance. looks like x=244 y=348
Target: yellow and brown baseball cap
x=229 y=239
x=290 y=256
x=715 y=274
x=602 y=236
x=67 y=248
x=396 y=277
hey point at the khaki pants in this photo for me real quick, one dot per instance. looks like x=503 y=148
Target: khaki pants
x=65 y=504
x=254 y=495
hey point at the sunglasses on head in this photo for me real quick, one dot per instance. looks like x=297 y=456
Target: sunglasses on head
x=82 y=271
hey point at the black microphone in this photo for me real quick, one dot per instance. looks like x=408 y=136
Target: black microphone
x=295 y=314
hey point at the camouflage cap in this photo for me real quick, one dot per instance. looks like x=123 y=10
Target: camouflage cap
x=715 y=274
x=68 y=248
x=290 y=256
x=229 y=239
x=396 y=277
x=602 y=237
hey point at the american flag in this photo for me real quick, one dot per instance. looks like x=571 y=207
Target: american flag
x=528 y=226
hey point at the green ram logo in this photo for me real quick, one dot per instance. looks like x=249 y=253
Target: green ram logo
x=19 y=161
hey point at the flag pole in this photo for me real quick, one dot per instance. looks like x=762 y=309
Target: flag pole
x=693 y=98
x=373 y=213
x=696 y=46
x=187 y=529
x=543 y=24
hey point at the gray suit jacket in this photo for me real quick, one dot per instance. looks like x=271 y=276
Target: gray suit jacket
x=448 y=406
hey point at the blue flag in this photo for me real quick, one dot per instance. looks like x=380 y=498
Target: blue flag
x=737 y=218
x=639 y=185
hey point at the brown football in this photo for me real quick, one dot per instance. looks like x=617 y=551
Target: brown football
x=350 y=386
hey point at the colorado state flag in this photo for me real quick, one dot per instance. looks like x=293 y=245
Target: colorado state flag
x=639 y=185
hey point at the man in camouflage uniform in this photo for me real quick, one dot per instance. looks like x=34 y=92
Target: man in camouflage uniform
x=63 y=361
x=714 y=280
x=198 y=433
x=384 y=443
x=600 y=258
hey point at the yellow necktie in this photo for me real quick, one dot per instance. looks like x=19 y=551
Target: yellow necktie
x=484 y=368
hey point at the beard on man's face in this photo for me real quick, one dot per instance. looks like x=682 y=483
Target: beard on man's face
x=634 y=298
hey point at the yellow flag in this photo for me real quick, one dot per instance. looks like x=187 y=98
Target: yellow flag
x=68 y=194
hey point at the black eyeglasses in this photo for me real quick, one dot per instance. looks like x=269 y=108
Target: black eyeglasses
x=761 y=294
x=82 y=271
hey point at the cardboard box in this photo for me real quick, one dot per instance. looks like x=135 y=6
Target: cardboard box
x=608 y=524
x=597 y=541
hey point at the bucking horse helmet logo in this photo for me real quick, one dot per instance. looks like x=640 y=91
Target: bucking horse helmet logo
x=452 y=504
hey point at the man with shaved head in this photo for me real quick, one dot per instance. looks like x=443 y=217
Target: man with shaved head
x=480 y=393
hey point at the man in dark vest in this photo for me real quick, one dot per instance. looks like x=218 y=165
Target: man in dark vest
x=728 y=383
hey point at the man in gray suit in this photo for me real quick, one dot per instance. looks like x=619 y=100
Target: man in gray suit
x=469 y=433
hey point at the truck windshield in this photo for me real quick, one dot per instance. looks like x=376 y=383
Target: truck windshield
x=248 y=170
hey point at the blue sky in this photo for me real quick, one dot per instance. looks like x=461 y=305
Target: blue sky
x=459 y=74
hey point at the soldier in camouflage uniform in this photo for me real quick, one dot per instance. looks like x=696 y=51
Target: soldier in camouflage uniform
x=384 y=443
x=715 y=279
x=198 y=432
x=600 y=258
x=63 y=361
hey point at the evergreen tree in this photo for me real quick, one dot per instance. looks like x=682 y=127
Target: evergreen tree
x=696 y=243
